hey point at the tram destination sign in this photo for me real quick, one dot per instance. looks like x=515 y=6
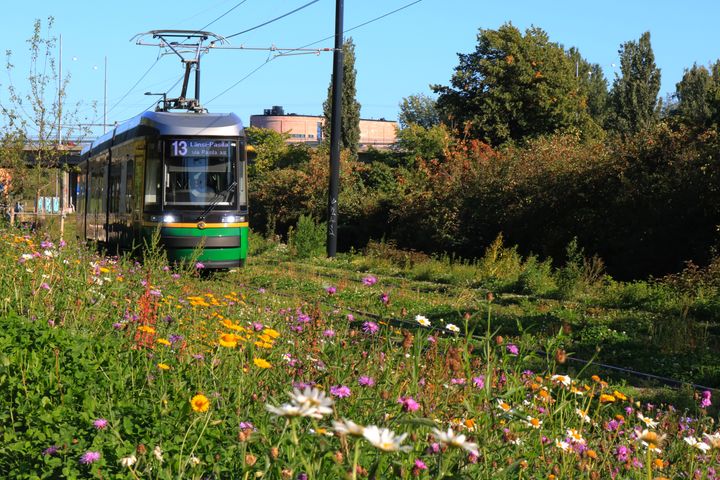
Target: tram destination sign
x=199 y=148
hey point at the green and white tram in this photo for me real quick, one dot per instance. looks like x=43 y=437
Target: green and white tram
x=184 y=173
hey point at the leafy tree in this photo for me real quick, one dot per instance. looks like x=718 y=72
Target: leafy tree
x=420 y=110
x=698 y=96
x=350 y=123
x=593 y=86
x=40 y=116
x=269 y=146
x=514 y=86
x=634 y=95
x=419 y=142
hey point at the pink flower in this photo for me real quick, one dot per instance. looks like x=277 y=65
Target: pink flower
x=340 y=391
x=100 y=423
x=199 y=265
x=369 y=280
x=385 y=298
x=408 y=404
x=329 y=333
x=366 y=381
x=89 y=457
x=512 y=349
x=370 y=328
x=706 y=399
x=420 y=465
x=331 y=290
x=479 y=382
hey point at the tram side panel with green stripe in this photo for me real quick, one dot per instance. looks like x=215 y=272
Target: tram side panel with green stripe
x=182 y=173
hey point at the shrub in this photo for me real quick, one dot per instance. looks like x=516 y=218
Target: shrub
x=308 y=238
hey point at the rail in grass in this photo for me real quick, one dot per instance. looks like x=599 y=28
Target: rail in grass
x=184 y=173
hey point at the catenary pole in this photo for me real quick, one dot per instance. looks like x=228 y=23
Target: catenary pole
x=336 y=122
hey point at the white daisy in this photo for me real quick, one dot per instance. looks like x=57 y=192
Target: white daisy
x=385 y=439
x=453 y=439
x=452 y=327
x=422 y=320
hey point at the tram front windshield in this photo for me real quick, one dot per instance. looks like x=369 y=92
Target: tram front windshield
x=199 y=172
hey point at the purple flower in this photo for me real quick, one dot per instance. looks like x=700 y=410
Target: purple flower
x=331 y=290
x=706 y=399
x=174 y=338
x=62 y=243
x=257 y=326
x=408 y=404
x=329 y=333
x=100 y=423
x=247 y=426
x=479 y=382
x=340 y=391
x=51 y=450
x=512 y=349
x=369 y=281
x=370 y=328
x=117 y=325
x=45 y=286
x=89 y=457
x=302 y=476
x=366 y=381
x=621 y=453
x=385 y=298
x=612 y=425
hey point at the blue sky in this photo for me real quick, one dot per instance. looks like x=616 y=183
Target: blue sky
x=397 y=56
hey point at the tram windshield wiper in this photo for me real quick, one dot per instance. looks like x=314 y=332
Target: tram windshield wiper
x=220 y=196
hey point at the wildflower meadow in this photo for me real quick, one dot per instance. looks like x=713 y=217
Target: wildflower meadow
x=120 y=368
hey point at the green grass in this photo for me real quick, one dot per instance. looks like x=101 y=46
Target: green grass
x=87 y=338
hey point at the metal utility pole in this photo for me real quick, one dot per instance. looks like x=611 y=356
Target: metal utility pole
x=336 y=117
x=105 y=98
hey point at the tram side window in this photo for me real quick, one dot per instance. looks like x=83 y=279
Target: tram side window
x=153 y=179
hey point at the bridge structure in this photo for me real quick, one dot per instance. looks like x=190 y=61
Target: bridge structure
x=60 y=161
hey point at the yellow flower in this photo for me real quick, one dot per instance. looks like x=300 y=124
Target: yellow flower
x=200 y=403
x=163 y=341
x=605 y=398
x=259 y=362
x=263 y=345
x=619 y=395
x=146 y=329
x=163 y=366
x=271 y=333
x=228 y=340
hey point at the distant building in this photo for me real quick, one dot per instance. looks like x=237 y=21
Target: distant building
x=379 y=134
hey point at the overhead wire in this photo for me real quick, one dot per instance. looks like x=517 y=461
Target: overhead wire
x=133 y=87
x=273 y=20
x=289 y=51
x=221 y=16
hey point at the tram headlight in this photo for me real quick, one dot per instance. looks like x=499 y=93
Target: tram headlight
x=233 y=219
x=168 y=219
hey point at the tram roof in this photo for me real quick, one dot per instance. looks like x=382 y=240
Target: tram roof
x=171 y=123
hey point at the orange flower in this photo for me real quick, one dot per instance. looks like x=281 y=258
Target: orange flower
x=200 y=403
x=619 y=395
